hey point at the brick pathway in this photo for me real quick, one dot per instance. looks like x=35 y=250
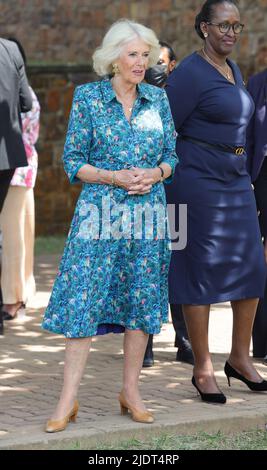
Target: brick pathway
x=31 y=373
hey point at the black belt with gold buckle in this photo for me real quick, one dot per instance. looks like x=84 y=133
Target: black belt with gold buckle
x=239 y=151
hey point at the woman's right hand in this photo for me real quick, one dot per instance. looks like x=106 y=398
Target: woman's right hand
x=126 y=178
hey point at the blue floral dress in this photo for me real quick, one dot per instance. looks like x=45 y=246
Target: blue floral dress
x=108 y=283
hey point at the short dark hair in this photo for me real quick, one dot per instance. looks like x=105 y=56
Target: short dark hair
x=20 y=47
x=206 y=12
x=172 y=55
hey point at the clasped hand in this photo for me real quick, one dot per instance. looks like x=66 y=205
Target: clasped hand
x=137 y=180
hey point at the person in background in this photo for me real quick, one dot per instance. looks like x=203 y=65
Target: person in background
x=17 y=219
x=157 y=76
x=257 y=167
x=14 y=98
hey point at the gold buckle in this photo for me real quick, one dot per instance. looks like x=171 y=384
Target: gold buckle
x=239 y=151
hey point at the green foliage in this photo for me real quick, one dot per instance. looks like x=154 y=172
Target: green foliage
x=252 y=440
x=49 y=245
x=246 y=440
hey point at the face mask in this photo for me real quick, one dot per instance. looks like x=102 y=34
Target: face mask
x=157 y=75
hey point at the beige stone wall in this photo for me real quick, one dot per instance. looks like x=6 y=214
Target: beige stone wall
x=60 y=32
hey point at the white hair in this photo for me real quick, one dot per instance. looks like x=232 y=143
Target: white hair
x=120 y=33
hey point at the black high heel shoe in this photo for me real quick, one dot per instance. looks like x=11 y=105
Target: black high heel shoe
x=8 y=317
x=254 y=386
x=210 y=397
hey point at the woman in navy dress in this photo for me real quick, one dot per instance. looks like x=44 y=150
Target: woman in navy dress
x=223 y=259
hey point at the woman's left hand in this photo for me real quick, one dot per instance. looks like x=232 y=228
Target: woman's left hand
x=150 y=176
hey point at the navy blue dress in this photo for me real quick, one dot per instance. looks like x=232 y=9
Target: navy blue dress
x=223 y=259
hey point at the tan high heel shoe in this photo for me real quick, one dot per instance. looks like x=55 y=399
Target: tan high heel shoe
x=61 y=424
x=137 y=415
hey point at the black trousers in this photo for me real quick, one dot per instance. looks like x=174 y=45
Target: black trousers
x=181 y=338
x=259 y=335
x=5 y=178
x=181 y=335
x=260 y=186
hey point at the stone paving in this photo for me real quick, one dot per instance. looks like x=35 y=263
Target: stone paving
x=31 y=365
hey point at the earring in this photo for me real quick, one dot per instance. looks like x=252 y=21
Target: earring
x=115 y=69
x=205 y=35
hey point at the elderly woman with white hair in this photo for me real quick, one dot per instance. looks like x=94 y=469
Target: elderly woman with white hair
x=113 y=274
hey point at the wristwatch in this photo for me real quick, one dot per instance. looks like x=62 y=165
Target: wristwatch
x=162 y=174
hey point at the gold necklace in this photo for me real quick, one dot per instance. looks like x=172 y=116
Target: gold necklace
x=123 y=101
x=127 y=105
x=226 y=74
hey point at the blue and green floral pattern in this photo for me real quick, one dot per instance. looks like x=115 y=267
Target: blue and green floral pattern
x=113 y=281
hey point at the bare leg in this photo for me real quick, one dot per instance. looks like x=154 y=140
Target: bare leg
x=243 y=318
x=76 y=355
x=197 y=322
x=135 y=343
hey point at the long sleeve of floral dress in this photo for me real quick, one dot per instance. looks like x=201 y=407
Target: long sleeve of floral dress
x=168 y=156
x=79 y=135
